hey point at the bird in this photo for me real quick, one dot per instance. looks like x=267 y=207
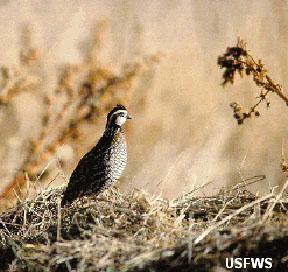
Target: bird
x=104 y=163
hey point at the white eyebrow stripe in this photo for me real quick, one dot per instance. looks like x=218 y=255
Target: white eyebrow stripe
x=120 y=111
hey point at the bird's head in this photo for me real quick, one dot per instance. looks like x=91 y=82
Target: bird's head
x=117 y=117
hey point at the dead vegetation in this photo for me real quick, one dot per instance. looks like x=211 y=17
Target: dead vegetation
x=84 y=93
x=138 y=232
x=238 y=60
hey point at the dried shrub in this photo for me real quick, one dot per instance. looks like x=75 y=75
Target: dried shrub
x=84 y=93
x=238 y=60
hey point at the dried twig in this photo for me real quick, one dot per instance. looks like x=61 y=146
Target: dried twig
x=229 y=217
x=237 y=59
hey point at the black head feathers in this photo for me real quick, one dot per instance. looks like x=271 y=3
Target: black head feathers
x=115 y=109
x=112 y=117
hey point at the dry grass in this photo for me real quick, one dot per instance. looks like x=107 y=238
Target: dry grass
x=85 y=92
x=135 y=231
x=139 y=232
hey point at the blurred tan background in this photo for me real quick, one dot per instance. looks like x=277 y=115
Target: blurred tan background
x=186 y=135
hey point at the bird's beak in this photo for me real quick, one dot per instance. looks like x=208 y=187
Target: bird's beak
x=129 y=117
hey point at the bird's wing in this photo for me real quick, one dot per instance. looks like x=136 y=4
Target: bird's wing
x=89 y=173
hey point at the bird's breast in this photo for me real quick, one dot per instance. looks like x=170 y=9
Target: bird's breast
x=117 y=157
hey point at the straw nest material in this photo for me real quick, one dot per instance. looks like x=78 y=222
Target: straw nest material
x=139 y=232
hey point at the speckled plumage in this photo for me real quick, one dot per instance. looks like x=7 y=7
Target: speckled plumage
x=101 y=166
